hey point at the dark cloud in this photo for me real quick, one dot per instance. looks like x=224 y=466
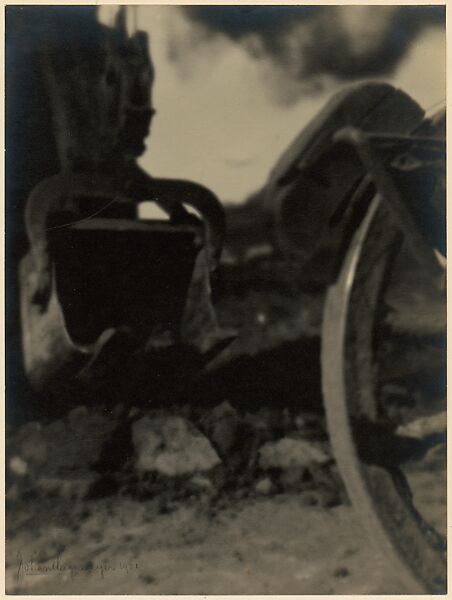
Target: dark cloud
x=237 y=21
x=345 y=42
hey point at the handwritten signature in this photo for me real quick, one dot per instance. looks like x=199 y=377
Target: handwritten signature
x=30 y=567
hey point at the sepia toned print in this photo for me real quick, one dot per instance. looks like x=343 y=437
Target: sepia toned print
x=225 y=299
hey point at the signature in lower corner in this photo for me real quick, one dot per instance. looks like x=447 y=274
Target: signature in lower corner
x=31 y=567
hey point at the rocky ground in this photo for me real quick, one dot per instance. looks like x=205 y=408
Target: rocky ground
x=175 y=518
x=231 y=490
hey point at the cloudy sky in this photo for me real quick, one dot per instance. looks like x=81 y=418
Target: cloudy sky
x=233 y=88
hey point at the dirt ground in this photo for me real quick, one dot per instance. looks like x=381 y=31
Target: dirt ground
x=264 y=546
x=81 y=520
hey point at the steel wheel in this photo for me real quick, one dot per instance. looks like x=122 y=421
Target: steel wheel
x=370 y=435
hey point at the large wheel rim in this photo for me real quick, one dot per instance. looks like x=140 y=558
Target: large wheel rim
x=409 y=545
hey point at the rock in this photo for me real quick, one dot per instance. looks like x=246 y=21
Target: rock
x=341 y=572
x=56 y=430
x=287 y=453
x=222 y=411
x=309 y=426
x=436 y=458
x=67 y=489
x=425 y=426
x=258 y=251
x=300 y=422
x=31 y=427
x=18 y=466
x=329 y=497
x=167 y=507
x=171 y=446
x=12 y=493
x=66 y=445
x=264 y=486
x=308 y=499
x=292 y=479
x=201 y=484
x=261 y=421
x=78 y=414
x=329 y=485
x=221 y=426
x=34 y=448
x=261 y=318
x=133 y=412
